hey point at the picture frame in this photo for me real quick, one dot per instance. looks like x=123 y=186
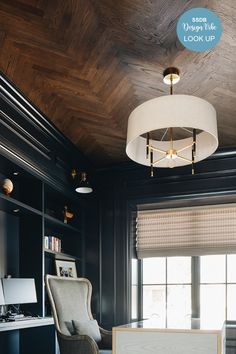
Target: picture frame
x=66 y=269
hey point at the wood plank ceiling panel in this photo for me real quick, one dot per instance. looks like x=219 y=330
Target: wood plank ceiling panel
x=87 y=63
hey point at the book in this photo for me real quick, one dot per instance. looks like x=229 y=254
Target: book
x=46 y=242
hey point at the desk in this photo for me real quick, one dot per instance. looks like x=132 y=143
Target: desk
x=29 y=336
x=144 y=338
x=36 y=322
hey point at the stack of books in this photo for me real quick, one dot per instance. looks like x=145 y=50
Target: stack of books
x=52 y=243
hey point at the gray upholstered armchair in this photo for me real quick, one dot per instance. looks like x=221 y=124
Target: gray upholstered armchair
x=77 y=331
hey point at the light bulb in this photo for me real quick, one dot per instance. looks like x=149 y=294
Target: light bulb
x=171 y=162
x=171 y=155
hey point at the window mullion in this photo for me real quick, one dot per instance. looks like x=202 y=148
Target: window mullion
x=166 y=299
x=226 y=287
x=140 y=290
x=195 y=287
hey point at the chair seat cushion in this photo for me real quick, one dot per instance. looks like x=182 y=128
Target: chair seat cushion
x=89 y=328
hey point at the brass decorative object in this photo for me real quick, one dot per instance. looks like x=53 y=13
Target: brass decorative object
x=67 y=214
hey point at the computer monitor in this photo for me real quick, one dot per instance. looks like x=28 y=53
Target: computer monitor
x=2 y=300
x=19 y=291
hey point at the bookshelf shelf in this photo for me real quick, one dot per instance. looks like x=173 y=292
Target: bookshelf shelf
x=55 y=223
x=62 y=256
x=14 y=206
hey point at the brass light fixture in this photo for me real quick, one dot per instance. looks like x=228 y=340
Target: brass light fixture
x=83 y=185
x=173 y=130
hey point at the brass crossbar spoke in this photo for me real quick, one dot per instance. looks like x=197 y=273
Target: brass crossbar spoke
x=185 y=147
x=156 y=149
x=157 y=161
x=184 y=158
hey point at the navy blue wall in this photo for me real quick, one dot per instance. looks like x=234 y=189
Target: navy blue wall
x=122 y=189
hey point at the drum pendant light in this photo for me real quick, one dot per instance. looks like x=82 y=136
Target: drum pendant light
x=173 y=130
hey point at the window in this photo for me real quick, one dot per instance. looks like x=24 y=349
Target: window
x=167 y=290
x=231 y=287
x=217 y=290
x=171 y=289
x=154 y=297
x=212 y=290
x=134 y=289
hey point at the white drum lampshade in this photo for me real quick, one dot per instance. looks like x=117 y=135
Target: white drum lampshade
x=169 y=112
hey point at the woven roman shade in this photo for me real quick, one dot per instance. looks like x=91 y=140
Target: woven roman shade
x=186 y=231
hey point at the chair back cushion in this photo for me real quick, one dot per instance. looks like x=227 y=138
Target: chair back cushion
x=70 y=300
x=89 y=328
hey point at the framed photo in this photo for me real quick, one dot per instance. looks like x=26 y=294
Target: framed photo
x=66 y=268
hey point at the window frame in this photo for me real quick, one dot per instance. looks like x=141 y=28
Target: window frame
x=195 y=287
x=166 y=284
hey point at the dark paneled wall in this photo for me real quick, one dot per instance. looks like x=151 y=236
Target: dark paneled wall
x=125 y=187
x=9 y=245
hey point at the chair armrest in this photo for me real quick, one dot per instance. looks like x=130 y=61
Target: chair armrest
x=77 y=344
x=106 y=342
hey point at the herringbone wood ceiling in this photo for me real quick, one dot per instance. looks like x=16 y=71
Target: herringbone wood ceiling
x=87 y=63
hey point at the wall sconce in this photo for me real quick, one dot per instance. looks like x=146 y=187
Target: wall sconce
x=83 y=186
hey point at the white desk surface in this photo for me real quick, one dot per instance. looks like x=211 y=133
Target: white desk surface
x=34 y=322
x=148 y=336
x=154 y=325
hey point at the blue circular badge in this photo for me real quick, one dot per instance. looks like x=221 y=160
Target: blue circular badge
x=199 y=29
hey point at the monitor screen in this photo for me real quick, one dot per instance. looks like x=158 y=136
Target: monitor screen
x=19 y=291
x=2 y=301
